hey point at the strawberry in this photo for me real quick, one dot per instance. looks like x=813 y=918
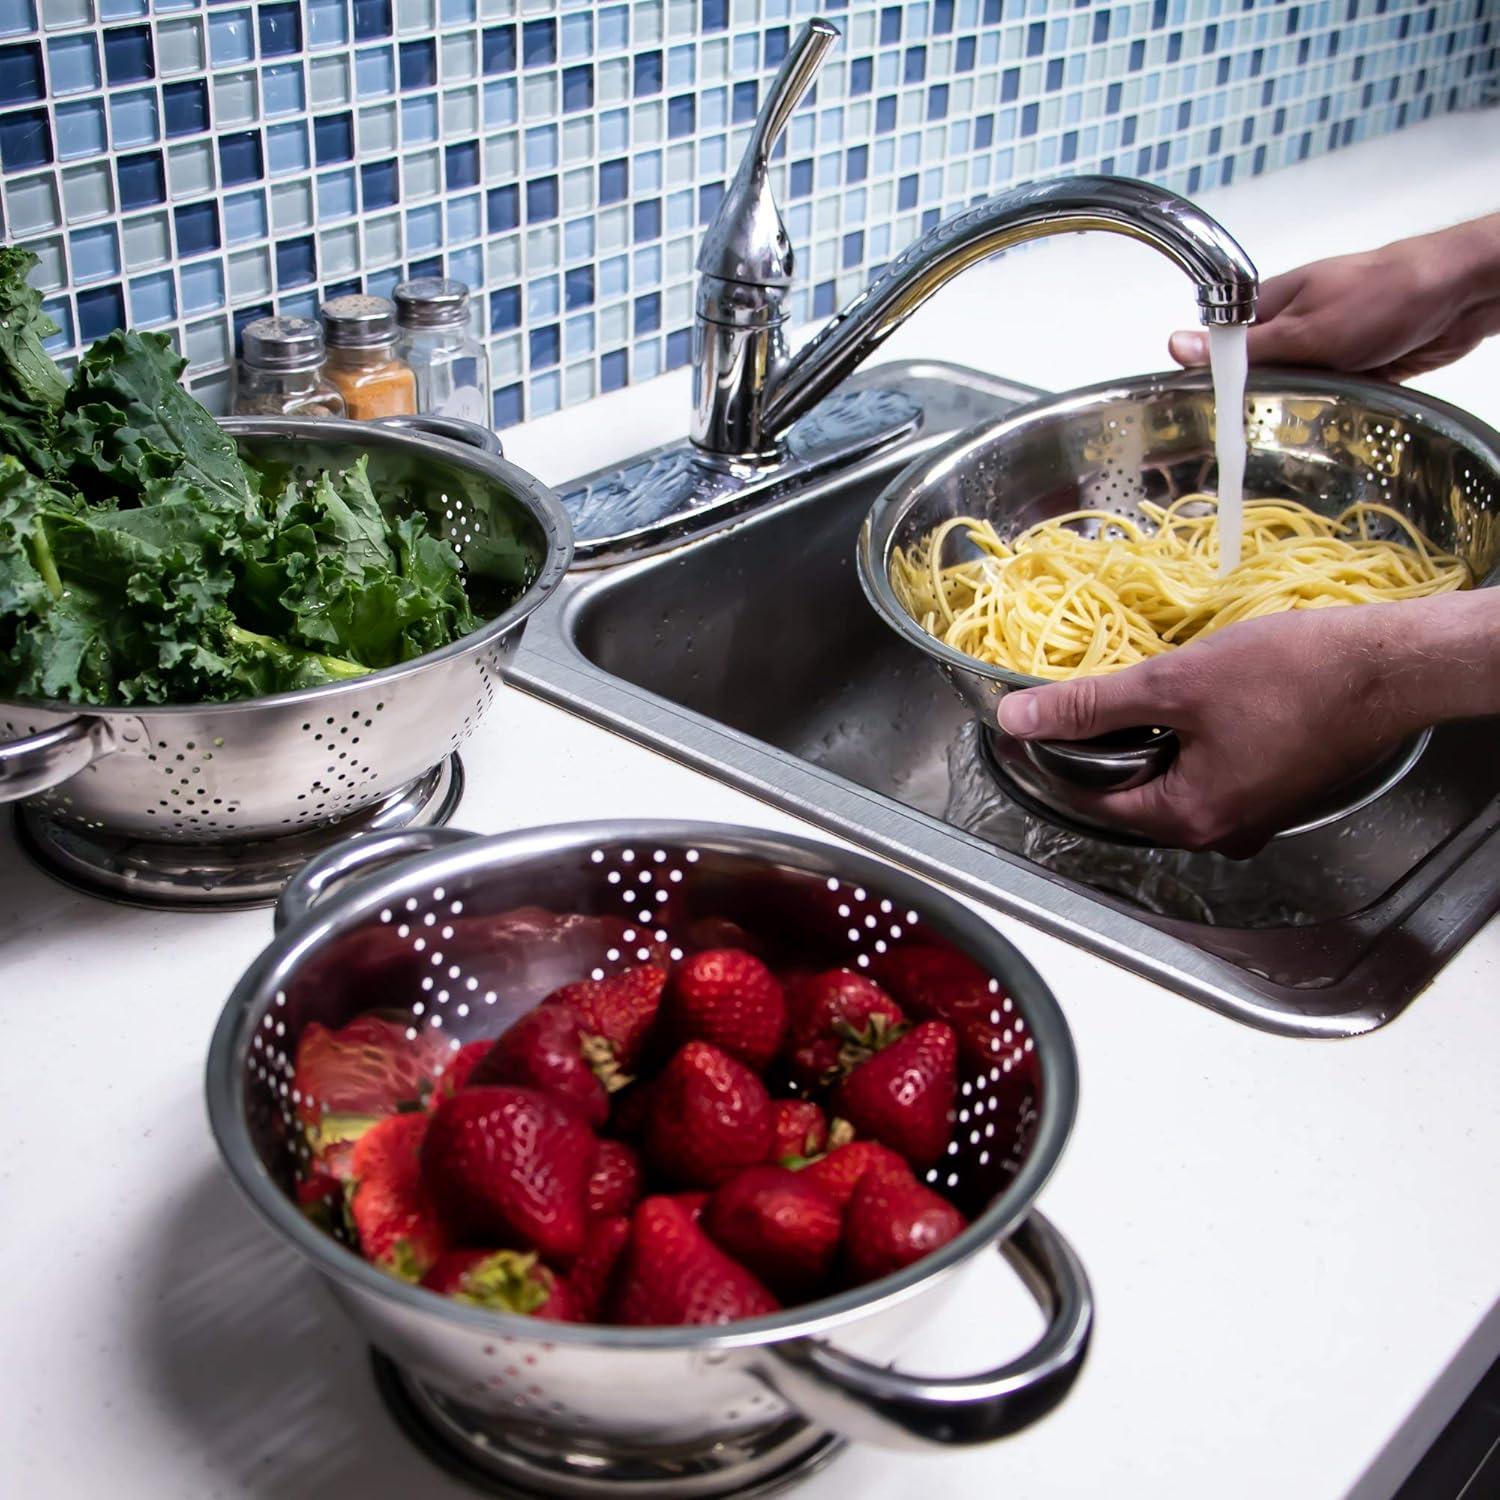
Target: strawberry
x=507 y=1281
x=672 y=1273
x=940 y=984
x=349 y=1078
x=391 y=1212
x=614 y=1182
x=616 y=1015
x=903 y=1096
x=730 y=998
x=509 y=1165
x=461 y=1065
x=838 y=1018
x=800 y=1129
x=709 y=1116
x=632 y=1109
x=592 y=1273
x=544 y=1050
x=839 y=1173
x=892 y=1221
x=778 y=1225
x=693 y=1204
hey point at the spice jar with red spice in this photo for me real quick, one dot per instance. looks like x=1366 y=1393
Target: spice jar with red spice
x=360 y=333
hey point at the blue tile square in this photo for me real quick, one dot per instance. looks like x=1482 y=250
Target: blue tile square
x=327 y=23
x=244 y=217
x=679 y=348
x=861 y=77
x=286 y=148
x=457 y=12
x=890 y=25
x=280 y=29
x=202 y=286
x=578 y=88
x=614 y=131
x=545 y=344
x=710 y=196
x=937 y=102
x=647 y=314
x=26 y=139
x=467 y=265
x=500 y=102
x=907 y=192
x=197 y=228
x=61 y=313
x=153 y=299
x=296 y=263
x=461 y=166
x=778 y=39
x=419 y=120
x=16 y=17
x=80 y=130
x=503 y=208
x=231 y=38
x=21 y=73
x=336 y=195
x=121 y=10
x=95 y=253
x=885 y=114
x=647 y=220
x=542 y=304
x=333 y=138
x=541 y=199
x=424 y=229
x=578 y=287
x=646 y=76
x=614 y=370
x=185 y=107
x=142 y=180
x=418 y=64
x=240 y=158
x=745 y=102
x=984 y=132
x=614 y=181
x=281 y=90
x=299 y=305
x=577 y=35
x=1036 y=38
x=966 y=54
x=465 y=218
x=505 y=309
x=509 y=406
x=715 y=15
x=74 y=63
x=681 y=116
x=132 y=118
x=914 y=67
x=128 y=56
x=101 y=310
x=942 y=17
x=499 y=50
x=380 y=184
x=800 y=179
x=372 y=19
x=539 y=43
x=374 y=73
x=613 y=28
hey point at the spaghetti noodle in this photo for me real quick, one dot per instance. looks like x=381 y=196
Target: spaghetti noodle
x=1056 y=603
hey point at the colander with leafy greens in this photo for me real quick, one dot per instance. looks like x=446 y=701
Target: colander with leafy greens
x=142 y=560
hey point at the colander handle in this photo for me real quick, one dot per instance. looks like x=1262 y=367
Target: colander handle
x=356 y=856
x=455 y=429
x=876 y=1404
x=44 y=760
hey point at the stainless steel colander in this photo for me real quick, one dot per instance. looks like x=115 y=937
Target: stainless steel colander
x=1325 y=440
x=464 y=937
x=184 y=778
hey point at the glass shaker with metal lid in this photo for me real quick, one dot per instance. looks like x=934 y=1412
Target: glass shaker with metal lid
x=362 y=361
x=450 y=364
x=280 y=373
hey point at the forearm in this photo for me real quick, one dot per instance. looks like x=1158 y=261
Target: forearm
x=1435 y=660
x=1465 y=262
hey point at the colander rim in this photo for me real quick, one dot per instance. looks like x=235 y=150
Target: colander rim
x=941 y=911
x=883 y=520
x=539 y=500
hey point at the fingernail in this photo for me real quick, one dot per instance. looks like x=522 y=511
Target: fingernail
x=1189 y=348
x=1018 y=714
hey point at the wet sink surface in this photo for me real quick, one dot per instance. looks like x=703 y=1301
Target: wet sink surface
x=752 y=654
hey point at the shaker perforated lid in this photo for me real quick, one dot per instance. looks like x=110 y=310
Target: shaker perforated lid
x=358 y=322
x=431 y=302
x=283 y=344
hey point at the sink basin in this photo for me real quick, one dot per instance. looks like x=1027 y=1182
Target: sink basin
x=751 y=654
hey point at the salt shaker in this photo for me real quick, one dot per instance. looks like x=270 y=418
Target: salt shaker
x=280 y=372
x=450 y=364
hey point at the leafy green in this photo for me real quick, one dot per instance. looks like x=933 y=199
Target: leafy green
x=31 y=386
x=143 y=561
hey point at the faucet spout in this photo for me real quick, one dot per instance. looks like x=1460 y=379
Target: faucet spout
x=1226 y=280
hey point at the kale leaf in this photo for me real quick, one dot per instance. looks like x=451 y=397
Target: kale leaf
x=31 y=386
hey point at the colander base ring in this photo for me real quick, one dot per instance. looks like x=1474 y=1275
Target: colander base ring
x=482 y=1455
x=226 y=876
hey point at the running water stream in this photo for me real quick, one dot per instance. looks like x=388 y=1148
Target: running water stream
x=1228 y=359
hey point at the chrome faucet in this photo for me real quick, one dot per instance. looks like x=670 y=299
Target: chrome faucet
x=746 y=390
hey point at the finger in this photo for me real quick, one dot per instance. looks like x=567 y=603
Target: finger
x=1189 y=347
x=1080 y=708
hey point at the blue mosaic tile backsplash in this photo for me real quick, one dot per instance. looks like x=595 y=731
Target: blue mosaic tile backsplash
x=190 y=166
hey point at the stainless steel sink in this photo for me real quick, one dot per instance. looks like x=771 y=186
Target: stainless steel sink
x=751 y=654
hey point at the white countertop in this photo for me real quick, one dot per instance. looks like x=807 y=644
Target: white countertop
x=1293 y=1245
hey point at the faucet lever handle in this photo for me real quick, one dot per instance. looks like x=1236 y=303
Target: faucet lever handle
x=793 y=79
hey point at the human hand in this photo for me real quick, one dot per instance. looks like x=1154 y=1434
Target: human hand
x=1393 y=313
x=1269 y=714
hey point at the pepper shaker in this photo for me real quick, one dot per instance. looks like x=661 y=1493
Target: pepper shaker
x=451 y=367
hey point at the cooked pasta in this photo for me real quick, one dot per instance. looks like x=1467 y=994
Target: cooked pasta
x=1054 y=602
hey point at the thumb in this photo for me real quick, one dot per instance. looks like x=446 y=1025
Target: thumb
x=1078 y=709
x=1189 y=347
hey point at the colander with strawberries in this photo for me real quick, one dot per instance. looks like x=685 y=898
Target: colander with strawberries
x=639 y=1150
